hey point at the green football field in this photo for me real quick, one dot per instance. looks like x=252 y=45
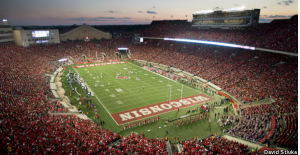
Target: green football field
x=114 y=95
x=124 y=94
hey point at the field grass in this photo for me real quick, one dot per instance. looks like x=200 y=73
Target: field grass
x=124 y=94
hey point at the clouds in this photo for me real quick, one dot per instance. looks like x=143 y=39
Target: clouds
x=100 y=19
x=267 y=19
x=151 y=12
x=279 y=16
x=264 y=20
x=288 y=2
x=114 y=12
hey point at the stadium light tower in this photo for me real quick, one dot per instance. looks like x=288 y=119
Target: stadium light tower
x=4 y=20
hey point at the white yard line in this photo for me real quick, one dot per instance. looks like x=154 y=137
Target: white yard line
x=144 y=83
x=123 y=85
x=175 y=92
x=136 y=103
x=151 y=85
x=99 y=101
x=172 y=80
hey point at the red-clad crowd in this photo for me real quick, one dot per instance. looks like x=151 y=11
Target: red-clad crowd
x=283 y=107
x=212 y=145
x=26 y=127
x=248 y=76
x=260 y=109
x=278 y=35
x=288 y=137
x=136 y=144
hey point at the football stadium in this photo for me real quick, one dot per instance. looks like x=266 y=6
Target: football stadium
x=222 y=83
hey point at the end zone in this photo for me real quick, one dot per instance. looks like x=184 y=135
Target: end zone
x=159 y=108
x=100 y=64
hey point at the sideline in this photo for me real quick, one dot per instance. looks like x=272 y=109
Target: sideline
x=97 y=99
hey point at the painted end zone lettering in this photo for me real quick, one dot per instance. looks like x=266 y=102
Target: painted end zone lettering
x=100 y=64
x=159 y=108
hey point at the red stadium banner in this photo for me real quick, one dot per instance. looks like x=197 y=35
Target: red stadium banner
x=220 y=93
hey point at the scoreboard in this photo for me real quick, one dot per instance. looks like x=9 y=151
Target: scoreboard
x=225 y=18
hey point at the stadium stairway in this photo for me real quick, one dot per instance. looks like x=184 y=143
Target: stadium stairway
x=48 y=74
x=169 y=148
x=275 y=109
x=82 y=116
x=249 y=144
x=70 y=58
x=178 y=148
x=256 y=103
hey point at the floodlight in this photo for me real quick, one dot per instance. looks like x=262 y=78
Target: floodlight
x=211 y=43
x=122 y=48
x=63 y=59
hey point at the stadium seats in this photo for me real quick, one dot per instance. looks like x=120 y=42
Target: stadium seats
x=212 y=145
x=27 y=127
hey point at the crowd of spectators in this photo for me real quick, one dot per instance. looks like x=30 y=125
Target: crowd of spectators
x=260 y=109
x=136 y=144
x=283 y=107
x=278 y=35
x=227 y=120
x=252 y=128
x=27 y=127
x=289 y=136
x=212 y=145
x=248 y=76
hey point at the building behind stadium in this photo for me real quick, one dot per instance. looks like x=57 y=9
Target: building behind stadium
x=6 y=34
x=83 y=32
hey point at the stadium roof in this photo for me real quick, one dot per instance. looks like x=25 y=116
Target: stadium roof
x=68 y=29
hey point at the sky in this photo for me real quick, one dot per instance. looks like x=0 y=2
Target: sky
x=129 y=12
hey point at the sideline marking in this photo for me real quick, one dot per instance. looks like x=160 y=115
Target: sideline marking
x=98 y=100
